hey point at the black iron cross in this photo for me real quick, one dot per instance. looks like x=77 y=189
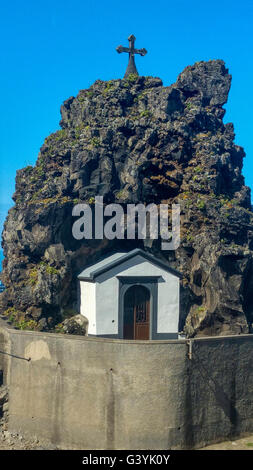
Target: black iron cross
x=131 y=68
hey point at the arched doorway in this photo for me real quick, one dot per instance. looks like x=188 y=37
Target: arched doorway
x=136 y=313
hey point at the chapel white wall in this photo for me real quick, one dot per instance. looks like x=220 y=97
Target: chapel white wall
x=88 y=304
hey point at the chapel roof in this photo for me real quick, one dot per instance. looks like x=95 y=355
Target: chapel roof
x=91 y=272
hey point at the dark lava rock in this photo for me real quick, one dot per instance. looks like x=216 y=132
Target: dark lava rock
x=131 y=141
x=76 y=325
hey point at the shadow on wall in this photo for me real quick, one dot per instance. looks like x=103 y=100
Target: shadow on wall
x=226 y=403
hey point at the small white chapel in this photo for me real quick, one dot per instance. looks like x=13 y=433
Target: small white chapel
x=132 y=296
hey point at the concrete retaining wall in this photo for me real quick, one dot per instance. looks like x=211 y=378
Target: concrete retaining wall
x=93 y=393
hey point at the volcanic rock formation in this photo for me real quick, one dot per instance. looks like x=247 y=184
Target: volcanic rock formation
x=133 y=140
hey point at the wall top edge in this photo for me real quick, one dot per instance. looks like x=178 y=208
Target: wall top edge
x=14 y=331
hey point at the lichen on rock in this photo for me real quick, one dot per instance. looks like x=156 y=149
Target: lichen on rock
x=131 y=141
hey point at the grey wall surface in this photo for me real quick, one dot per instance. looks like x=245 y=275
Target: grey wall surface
x=94 y=393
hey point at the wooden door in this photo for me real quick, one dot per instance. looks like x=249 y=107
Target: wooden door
x=137 y=313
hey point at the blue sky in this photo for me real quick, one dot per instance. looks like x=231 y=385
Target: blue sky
x=52 y=49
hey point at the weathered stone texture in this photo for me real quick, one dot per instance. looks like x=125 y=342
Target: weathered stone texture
x=95 y=393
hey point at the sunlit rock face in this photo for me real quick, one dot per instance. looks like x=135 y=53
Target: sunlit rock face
x=131 y=141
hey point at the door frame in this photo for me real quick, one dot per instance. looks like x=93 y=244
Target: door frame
x=150 y=282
